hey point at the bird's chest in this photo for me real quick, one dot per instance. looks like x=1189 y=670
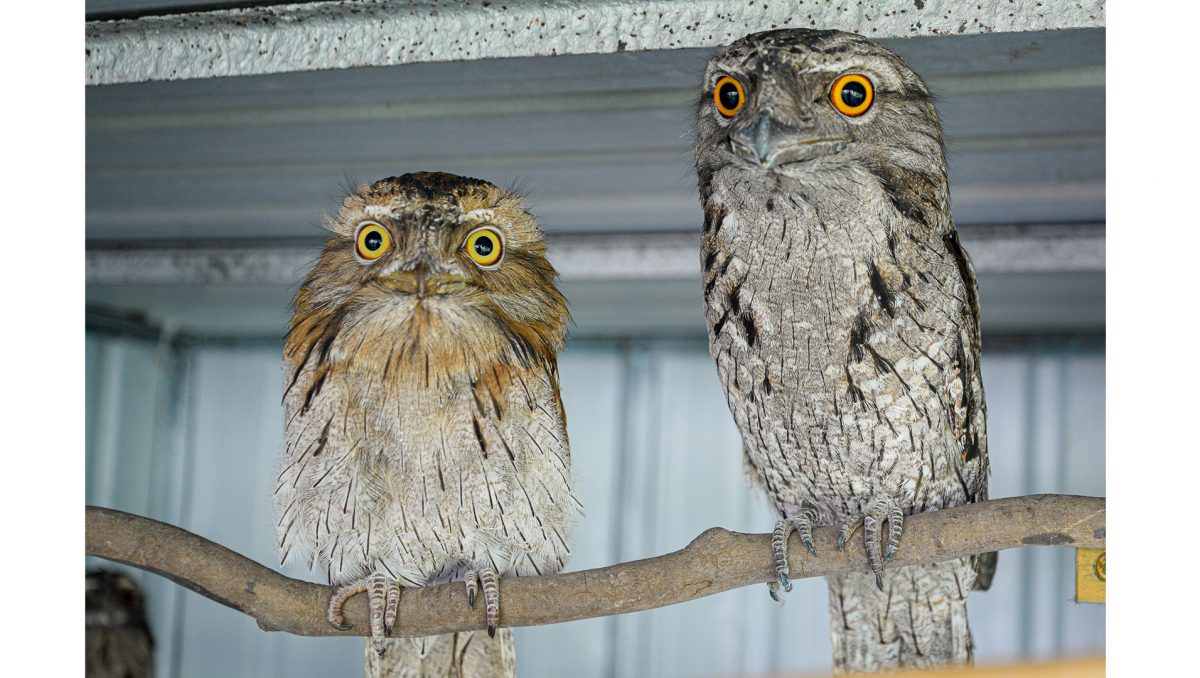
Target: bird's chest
x=782 y=292
x=424 y=476
x=818 y=374
x=422 y=453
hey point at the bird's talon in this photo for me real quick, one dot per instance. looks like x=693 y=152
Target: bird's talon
x=773 y=589
x=333 y=611
x=812 y=548
x=879 y=581
x=491 y=598
x=472 y=584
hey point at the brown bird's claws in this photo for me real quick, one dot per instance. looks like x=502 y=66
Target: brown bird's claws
x=491 y=595
x=383 y=600
x=333 y=611
x=472 y=583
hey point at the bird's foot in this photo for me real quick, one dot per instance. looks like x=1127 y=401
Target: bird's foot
x=801 y=524
x=383 y=600
x=880 y=509
x=491 y=594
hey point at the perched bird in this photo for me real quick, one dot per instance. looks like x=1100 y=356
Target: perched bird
x=844 y=322
x=117 y=636
x=425 y=436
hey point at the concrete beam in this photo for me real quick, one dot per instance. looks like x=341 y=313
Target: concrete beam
x=669 y=256
x=332 y=35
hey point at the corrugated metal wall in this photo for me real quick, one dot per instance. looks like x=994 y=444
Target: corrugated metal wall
x=188 y=433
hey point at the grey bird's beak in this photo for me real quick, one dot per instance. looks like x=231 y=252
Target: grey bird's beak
x=762 y=136
x=768 y=143
x=756 y=141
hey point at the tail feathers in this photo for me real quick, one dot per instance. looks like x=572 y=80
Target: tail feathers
x=919 y=620
x=470 y=654
x=985 y=570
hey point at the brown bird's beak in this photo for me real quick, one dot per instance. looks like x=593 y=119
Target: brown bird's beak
x=422 y=275
x=422 y=281
x=412 y=281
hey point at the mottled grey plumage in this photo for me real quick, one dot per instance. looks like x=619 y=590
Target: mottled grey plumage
x=425 y=437
x=844 y=322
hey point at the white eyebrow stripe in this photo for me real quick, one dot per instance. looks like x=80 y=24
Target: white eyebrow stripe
x=379 y=211
x=481 y=214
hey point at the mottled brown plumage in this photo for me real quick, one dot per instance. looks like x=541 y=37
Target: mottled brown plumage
x=117 y=635
x=425 y=436
x=843 y=319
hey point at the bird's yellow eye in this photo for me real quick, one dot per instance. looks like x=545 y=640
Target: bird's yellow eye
x=372 y=240
x=485 y=246
x=729 y=95
x=852 y=94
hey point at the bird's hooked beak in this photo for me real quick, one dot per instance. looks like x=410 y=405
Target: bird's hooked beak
x=422 y=280
x=767 y=142
x=422 y=275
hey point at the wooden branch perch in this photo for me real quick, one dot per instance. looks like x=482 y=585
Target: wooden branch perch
x=718 y=560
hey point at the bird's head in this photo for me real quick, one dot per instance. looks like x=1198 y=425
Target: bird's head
x=798 y=102
x=435 y=259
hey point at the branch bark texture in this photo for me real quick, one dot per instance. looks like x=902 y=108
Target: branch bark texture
x=718 y=560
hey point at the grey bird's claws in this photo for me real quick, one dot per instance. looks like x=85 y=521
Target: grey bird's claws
x=879 y=510
x=491 y=631
x=773 y=589
x=802 y=525
x=895 y=531
x=848 y=531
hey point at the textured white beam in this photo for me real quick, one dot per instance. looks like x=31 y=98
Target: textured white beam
x=669 y=256
x=329 y=35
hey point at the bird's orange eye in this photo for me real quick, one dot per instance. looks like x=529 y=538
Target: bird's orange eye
x=372 y=240
x=852 y=94
x=485 y=246
x=729 y=95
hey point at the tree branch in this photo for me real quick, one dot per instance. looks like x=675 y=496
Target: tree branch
x=718 y=560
